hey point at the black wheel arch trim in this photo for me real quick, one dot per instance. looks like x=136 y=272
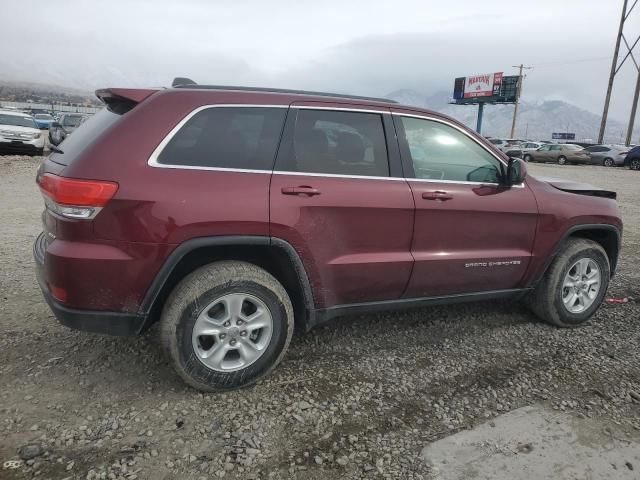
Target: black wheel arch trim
x=188 y=246
x=577 y=228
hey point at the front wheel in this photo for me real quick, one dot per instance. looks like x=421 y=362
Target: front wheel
x=634 y=164
x=608 y=162
x=226 y=325
x=562 y=160
x=574 y=286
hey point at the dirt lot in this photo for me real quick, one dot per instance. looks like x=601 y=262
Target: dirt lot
x=358 y=398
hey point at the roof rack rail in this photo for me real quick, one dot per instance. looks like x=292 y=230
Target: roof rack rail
x=183 y=82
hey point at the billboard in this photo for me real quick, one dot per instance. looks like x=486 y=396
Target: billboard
x=485 y=88
x=485 y=85
x=563 y=136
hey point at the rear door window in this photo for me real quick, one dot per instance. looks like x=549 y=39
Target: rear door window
x=337 y=143
x=227 y=137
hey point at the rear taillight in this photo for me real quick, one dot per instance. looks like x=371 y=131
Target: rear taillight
x=73 y=198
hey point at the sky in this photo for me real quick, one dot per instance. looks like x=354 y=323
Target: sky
x=365 y=47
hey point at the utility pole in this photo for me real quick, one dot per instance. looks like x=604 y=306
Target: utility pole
x=615 y=68
x=634 y=107
x=479 y=121
x=518 y=91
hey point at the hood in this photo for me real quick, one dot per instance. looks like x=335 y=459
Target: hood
x=578 y=188
x=18 y=129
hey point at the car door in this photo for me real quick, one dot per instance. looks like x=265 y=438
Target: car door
x=471 y=233
x=338 y=197
x=541 y=154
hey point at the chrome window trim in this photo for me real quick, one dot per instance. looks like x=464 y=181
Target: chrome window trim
x=342 y=109
x=338 y=175
x=153 y=159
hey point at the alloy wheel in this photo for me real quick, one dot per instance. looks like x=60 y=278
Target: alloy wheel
x=581 y=285
x=232 y=332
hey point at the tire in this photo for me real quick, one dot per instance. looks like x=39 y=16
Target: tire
x=608 y=162
x=528 y=158
x=39 y=152
x=203 y=299
x=547 y=299
x=562 y=160
x=634 y=164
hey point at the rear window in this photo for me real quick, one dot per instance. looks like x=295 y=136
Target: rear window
x=227 y=137
x=85 y=134
x=72 y=120
x=573 y=147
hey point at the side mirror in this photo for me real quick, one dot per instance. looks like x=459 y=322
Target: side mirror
x=516 y=171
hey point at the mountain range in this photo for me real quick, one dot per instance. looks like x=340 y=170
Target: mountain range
x=536 y=120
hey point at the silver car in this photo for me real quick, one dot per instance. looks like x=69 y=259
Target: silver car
x=608 y=155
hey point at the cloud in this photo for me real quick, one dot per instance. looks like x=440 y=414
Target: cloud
x=363 y=46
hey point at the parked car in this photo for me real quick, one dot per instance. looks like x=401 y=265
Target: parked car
x=506 y=145
x=560 y=153
x=19 y=133
x=232 y=216
x=632 y=159
x=43 y=120
x=529 y=146
x=65 y=125
x=608 y=155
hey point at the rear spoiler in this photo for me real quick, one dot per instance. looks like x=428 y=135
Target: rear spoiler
x=121 y=100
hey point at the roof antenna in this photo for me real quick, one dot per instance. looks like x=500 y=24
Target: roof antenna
x=182 y=82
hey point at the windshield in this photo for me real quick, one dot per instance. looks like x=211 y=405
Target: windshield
x=43 y=116
x=17 y=121
x=72 y=120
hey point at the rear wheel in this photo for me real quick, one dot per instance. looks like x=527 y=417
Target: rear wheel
x=562 y=160
x=528 y=158
x=226 y=325
x=574 y=286
x=608 y=162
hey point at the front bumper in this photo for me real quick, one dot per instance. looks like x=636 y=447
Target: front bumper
x=97 y=321
x=19 y=146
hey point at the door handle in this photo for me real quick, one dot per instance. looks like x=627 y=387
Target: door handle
x=301 y=190
x=437 y=195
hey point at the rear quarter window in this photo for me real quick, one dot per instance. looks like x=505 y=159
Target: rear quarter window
x=84 y=135
x=226 y=137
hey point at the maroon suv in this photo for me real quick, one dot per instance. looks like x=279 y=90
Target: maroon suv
x=230 y=215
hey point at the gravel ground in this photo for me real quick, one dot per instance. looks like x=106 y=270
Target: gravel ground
x=358 y=398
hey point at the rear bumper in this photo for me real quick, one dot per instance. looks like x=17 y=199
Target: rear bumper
x=97 y=321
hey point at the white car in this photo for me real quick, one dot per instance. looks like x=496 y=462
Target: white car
x=530 y=146
x=19 y=133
